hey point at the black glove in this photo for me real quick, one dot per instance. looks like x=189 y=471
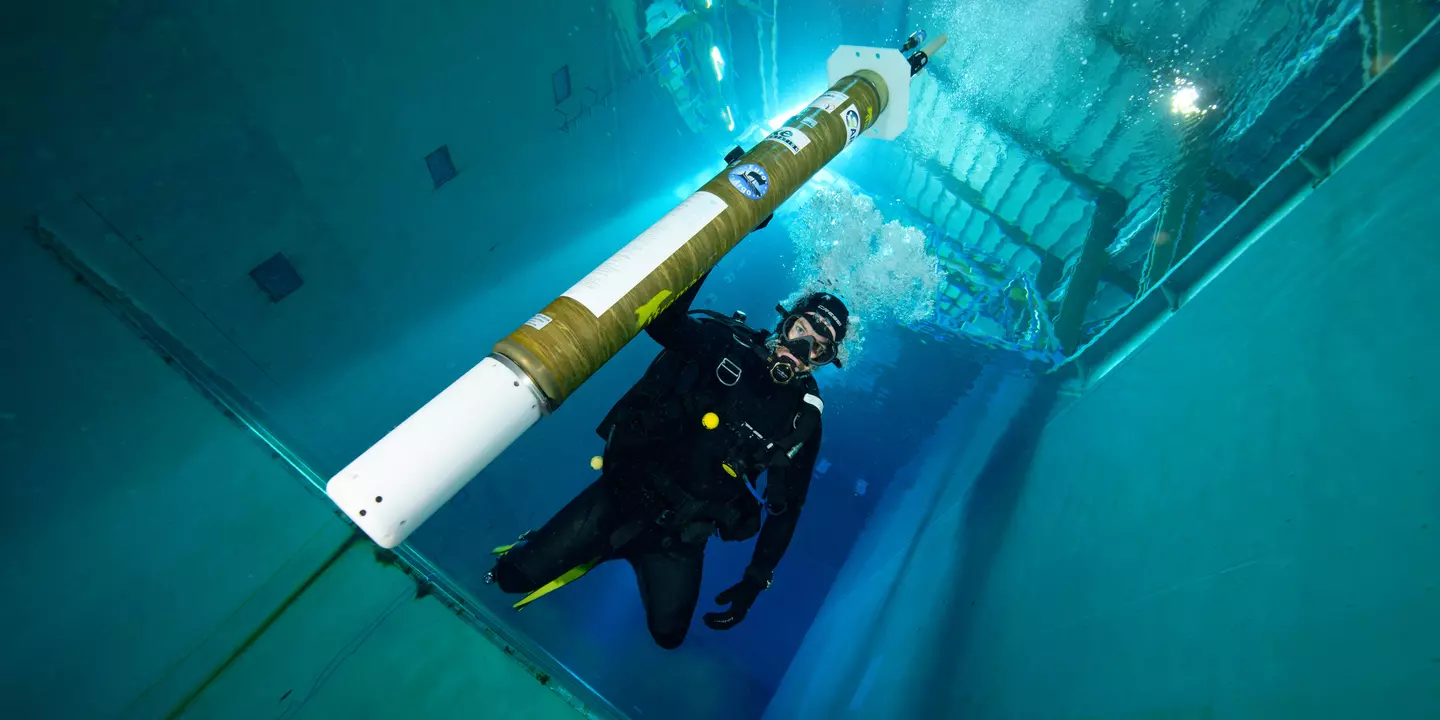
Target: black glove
x=740 y=596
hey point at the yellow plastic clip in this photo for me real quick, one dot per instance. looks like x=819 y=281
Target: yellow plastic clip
x=500 y=551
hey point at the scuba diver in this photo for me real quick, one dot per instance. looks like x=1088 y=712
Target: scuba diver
x=684 y=452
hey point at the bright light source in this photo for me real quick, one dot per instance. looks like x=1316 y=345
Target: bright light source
x=718 y=62
x=1183 y=102
x=707 y=4
x=729 y=119
x=779 y=120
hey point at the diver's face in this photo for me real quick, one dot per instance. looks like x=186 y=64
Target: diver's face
x=819 y=332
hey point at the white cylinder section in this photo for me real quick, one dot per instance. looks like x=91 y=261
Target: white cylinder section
x=401 y=481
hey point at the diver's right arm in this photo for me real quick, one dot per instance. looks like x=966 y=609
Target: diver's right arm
x=674 y=329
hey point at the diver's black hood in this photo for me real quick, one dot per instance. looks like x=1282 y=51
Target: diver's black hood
x=829 y=307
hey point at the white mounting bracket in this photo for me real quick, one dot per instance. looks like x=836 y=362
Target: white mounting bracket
x=893 y=68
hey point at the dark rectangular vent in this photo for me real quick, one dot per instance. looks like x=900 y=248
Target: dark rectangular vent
x=560 y=84
x=442 y=168
x=277 y=277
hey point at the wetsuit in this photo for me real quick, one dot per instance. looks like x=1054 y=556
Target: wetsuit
x=667 y=484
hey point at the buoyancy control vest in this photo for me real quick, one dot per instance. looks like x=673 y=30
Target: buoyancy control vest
x=709 y=421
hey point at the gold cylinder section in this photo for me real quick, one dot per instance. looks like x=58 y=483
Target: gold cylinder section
x=563 y=353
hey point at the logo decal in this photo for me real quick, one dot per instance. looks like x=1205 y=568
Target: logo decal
x=792 y=138
x=751 y=180
x=852 y=123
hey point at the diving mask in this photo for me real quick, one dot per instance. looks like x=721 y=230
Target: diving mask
x=811 y=341
x=815 y=351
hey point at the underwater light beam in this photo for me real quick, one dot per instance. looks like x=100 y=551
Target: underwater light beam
x=775 y=122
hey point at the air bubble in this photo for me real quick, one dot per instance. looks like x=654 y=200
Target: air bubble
x=882 y=270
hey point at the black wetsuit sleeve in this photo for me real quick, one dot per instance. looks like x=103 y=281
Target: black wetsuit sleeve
x=674 y=329
x=784 y=513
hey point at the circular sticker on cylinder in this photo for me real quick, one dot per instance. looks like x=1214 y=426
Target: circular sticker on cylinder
x=751 y=180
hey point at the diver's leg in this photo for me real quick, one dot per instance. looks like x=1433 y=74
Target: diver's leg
x=670 y=590
x=577 y=534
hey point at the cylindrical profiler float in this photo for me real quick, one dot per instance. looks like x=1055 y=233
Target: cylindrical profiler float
x=583 y=328
x=400 y=481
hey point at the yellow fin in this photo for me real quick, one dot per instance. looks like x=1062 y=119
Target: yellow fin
x=568 y=577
